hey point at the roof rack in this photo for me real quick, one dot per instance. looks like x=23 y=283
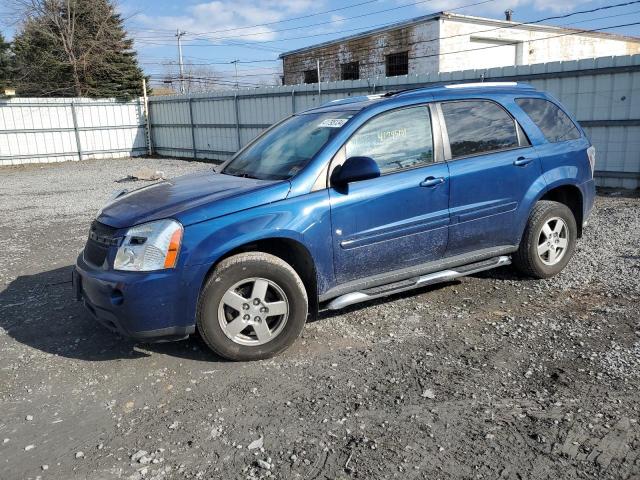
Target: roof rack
x=487 y=85
x=433 y=88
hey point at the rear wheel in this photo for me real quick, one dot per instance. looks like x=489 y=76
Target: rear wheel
x=548 y=241
x=253 y=306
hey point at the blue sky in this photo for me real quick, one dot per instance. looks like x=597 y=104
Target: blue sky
x=220 y=31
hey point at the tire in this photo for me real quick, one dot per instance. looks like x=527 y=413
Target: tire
x=553 y=257
x=244 y=294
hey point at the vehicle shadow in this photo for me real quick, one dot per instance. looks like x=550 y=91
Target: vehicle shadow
x=39 y=311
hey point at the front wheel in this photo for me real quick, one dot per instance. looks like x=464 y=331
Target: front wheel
x=253 y=306
x=548 y=241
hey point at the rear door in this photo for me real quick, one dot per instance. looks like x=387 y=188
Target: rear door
x=399 y=219
x=492 y=166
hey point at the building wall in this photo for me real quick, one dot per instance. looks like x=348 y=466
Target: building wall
x=454 y=50
x=495 y=45
x=370 y=52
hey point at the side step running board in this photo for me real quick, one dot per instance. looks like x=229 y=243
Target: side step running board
x=431 y=278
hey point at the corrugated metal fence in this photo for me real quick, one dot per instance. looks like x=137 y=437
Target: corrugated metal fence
x=43 y=130
x=604 y=94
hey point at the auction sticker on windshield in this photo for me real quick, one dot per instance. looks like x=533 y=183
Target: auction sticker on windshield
x=333 y=122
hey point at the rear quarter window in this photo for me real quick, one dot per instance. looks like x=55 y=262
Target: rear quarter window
x=555 y=125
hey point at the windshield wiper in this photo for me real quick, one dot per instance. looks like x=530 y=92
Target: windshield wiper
x=242 y=175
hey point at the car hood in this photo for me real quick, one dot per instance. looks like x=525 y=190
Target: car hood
x=191 y=199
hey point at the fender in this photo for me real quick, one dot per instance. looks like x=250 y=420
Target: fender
x=535 y=193
x=207 y=242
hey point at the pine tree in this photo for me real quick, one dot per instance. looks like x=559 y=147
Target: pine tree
x=6 y=64
x=75 y=48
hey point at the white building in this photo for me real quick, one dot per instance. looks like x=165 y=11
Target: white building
x=447 y=42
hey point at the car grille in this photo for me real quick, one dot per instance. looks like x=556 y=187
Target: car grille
x=101 y=237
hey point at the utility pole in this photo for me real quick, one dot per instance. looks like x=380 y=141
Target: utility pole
x=179 y=34
x=235 y=62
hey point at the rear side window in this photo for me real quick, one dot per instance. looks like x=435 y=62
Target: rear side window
x=475 y=127
x=395 y=140
x=550 y=119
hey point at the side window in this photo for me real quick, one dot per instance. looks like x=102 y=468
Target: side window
x=395 y=140
x=478 y=126
x=550 y=119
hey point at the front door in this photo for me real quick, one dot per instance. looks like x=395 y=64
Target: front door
x=400 y=219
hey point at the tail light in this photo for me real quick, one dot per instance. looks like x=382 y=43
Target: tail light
x=591 y=153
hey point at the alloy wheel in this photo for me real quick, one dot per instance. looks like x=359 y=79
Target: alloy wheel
x=253 y=311
x=553 y=241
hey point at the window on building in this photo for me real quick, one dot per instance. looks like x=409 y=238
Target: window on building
x=550 y=119
x=476 y=127
x=350 y=71
x=395 y=140
x=397 y=64
x=311 y=76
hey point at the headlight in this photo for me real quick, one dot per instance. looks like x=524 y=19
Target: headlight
x=150 y=246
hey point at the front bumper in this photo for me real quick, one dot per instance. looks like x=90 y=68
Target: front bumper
x=148 y=306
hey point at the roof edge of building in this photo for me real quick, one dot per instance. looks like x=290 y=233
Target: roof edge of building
x=539 y=26
x=457 y=16
x=366 y=33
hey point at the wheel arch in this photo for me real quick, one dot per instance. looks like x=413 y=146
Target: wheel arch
x=289 y=250
x=570 y=195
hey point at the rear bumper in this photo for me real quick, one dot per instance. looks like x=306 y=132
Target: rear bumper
x=151 y=306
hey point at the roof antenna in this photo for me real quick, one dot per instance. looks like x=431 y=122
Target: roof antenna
x=508 y=15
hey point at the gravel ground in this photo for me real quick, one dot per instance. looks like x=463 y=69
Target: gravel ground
x=493 y=376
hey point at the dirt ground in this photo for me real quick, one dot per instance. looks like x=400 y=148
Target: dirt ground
x=493 y=376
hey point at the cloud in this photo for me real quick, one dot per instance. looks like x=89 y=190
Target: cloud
x=205 y=19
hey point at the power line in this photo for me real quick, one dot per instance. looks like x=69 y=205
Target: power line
x=577 y=32
x=446 y=37
x=206 y=80
x=206 y=35
x=465 y=34
x=364 y=29
x=515 y=25
x=282 y=21
x=291 y=19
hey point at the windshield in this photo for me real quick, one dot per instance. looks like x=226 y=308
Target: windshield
x=284 y=150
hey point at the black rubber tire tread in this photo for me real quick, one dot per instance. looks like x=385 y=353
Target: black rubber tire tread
x=232 y=270
x=526 y=258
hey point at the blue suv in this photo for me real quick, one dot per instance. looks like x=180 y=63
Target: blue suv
x=357 y=199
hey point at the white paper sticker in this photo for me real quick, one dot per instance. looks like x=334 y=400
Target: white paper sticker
x=333 y=122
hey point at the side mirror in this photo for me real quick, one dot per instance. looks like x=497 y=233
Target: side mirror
x=355 y=169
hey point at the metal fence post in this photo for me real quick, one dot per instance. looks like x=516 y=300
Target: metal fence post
x=193 y=129
x=235 y=101
x=293 y=100
x=147 y=117
x=75 y=129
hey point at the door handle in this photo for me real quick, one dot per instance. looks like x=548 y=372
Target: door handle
x=522 y=161
x=432 y=182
